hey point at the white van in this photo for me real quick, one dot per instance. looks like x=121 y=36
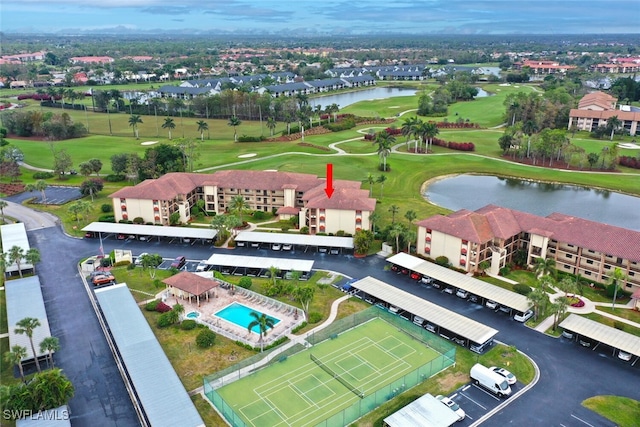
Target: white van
x=492 y=381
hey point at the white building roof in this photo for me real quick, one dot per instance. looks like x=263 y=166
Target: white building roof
x=15 y=235
x=151 y=230
x=426 y=411
x=483 y=289
x=58 y=417
x=24 y=299
x=295 y=239
x=432 y=313
x=162 y=395
x=283 y=264
x=605 y=334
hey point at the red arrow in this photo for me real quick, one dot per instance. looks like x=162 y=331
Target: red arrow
x=329 y=189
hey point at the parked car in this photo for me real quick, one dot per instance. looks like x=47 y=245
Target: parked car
x=623 y=355
x=89 y=235
x=453 y=405
x=449 y=290
x=426 y=280
x=415 y=276
x=179 y=262
x=102 y=279
x=584 y=343
x=202 y=266
x=567 y=334
x=139 y=258
x=286 y=247
x=511 y=379
x=255 y=244
x=334 y=251
x=121 y=236
x=491 y=304
x=394 y=267
x=462 y=293
x=404 y=271
x=523 y=317
x=276 y=247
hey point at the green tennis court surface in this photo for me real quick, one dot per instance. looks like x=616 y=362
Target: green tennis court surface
x=299 y=392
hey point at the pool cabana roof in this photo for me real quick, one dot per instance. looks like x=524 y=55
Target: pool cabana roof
x=191 y=283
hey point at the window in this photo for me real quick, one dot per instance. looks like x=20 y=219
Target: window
x=123 y=200
x=552 y=251
x=607 y=267
x=569 y=245
x=589 y=261
x=567 y=266
x=587 y=273
x=590 y=251
x=569 y=256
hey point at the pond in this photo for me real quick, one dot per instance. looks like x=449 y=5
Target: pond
x=348 y=98
x=473 y=192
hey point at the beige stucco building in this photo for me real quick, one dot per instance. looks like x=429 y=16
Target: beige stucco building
x=597 y=108
x=287 y=194
x=494 y=234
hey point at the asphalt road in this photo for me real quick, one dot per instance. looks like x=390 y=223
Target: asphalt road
x=569 y=373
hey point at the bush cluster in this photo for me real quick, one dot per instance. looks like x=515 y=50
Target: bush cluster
x=206 y=338
x=114 y=178
x=188 y=324
x=460 y=146
x=246 y=138
x=343 y=124
x=152 y=305
x=315 y=317
x=522 y=289
x=630 y=162
x=43 y=175
x=162 y=307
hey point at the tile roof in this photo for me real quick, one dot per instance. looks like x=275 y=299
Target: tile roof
x=167 y=187
x=494 y=221
x=343 y=199
x=191 y=283
x=598 y=98
x=597 y=114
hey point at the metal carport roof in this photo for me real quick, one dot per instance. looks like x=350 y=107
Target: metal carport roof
x=24 y=299
x=57 y=417
x=162 y=395
x=151 y=230
x=432 y=313
x=295 y=239
x=426 y=411
x=15 y=235
x=605 y=334
x=483 y=289
x=283 y=264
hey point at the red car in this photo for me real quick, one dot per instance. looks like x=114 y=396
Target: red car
x=415 y=276
x=179 y=262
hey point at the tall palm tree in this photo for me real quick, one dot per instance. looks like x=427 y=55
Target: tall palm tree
x=529 y=128
x=239 y=205
x=410 y=215
x=374 y=217
x=202 y=126
x=16 y=255
x=431 y=130
x=614 y=123
x=409 y=236
x=273 y=274
x=32 y=257
x=616 y=277
x=4 y=204
x=169 y=125
x=539 y=298
x=263 y=322
x=396 y=231
x=235 y=122
x=15 y=356
x=559 y=308
x=381 y=179
x=545 y=267
x=408 y=127
x=41 y=186
x=370 y=180
x=394 y=209
x=384 y=141
x=50 y=345
x=271 y=124
x=134 y=120
x=26 y=326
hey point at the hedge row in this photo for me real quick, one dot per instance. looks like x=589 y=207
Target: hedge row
x=460 y=146
x=630 y=162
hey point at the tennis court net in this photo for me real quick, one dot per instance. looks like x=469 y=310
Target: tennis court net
x=344 y=382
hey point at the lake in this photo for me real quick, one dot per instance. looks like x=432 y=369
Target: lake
x=474 y=191
x=348 y=98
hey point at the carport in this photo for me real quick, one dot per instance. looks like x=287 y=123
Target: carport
x=425 y=411
x=24 y=299
x=333 y=244
x=15 y=235
x=614 y=338
x=241 y=265
x=439 y=320
x=506 y=298
x=183 y=234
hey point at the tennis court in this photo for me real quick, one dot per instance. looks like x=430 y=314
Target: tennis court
x=311 y=386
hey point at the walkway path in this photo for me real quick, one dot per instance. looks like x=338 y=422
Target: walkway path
x=294 y=339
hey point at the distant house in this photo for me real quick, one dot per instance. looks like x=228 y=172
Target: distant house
x=543 y=67
x=18 y=84
x=91 y=60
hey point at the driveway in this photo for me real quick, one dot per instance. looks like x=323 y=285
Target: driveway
x=33 y=220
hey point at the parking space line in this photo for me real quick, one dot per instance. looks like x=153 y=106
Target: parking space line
x=486 y=392
x=468 y=398
x=581 y=420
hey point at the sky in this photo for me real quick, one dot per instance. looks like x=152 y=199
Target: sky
x=320 y=17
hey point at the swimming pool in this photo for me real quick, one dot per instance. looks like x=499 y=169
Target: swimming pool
x=192 y=315
x=239 y=314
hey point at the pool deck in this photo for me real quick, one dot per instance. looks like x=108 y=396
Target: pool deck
x=220 y=298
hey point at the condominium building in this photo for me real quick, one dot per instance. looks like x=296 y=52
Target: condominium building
x=596 y=108
x=496 y=234
x=287 y=194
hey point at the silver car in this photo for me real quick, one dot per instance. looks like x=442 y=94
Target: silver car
x=453 y=405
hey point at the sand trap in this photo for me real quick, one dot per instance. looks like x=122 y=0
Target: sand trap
x=630 y=146
x=245 y=156
x=148 y=142
x=271 y=170
x=395 y=106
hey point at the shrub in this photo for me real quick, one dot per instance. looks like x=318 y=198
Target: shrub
x=162 y=307
x=245 y=138
x=114 y=178
x=315 y=317
x=131 y=266
x=121 y=263
x=259 y=215
x=138 y=220
x=299 y=327
x=245 y=282
x=504 y=271
x=106 y=218
x=304 y=230
x=188 y=324
x=106 y=208
x=521 y=289
x=340 y=233
x=344 y=124
x=165 y=320
x=43 y=175
x=152 y=305
x=206 y=338
x=443 y=261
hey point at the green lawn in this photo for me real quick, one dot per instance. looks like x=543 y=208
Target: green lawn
x=4 y=328
x=623 y=411
x=625 y=313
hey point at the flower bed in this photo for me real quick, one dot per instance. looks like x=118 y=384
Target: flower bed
x=576 y=302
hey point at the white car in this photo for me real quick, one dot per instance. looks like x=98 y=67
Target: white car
x=202 y=266
x=286 y=247
x=491 y=304
x=511 y=379
x=453 y=405
x=524 y=316
x=462 y=293
x=623 y=355
x=139 y=258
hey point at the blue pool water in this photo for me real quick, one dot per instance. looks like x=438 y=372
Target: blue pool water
x=193 y=315
x=239 y=314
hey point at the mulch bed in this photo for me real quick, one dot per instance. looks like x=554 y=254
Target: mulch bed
x=557 y=164
x=11 y=189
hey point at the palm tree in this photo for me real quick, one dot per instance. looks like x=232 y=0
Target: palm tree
x=394 y=209
x=409 y=127
x=235 y=122
x=374 y=217
x=410 y=215
x=202 y=126
x=559 y=308
x=134 y=120
x=409 y=236
x=26 y=326
x=4 y=204
x=370 y=180
x=613 y=123
x=169 y=125
x=396 y=231
x=271 y=124
x=616 y=277
x=539 y=298
x=431 y=130
x=384 y=141
x=50 y=345
x=15 y=357
x=568 y=286
x=16 y=255
x=273 y=274
x=32 y=257
x=263 y=322
x=239 y=204
x=381 y=179
x=40 y=185
x=544 y=267
x=529 y=128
